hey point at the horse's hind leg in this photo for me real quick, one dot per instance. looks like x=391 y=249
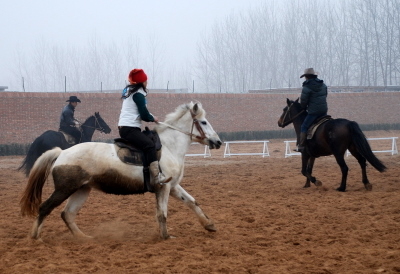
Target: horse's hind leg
x=71 y=209
x=363 y=164
x=180 y=194
x=344 y=168
x=56 y=199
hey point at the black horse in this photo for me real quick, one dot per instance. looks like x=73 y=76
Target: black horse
x=51 y=139
x=332 y=137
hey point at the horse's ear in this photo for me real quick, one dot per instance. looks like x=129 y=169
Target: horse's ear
x=195 y=108
x=96 y=113
x=288 y=101
x=297 y=100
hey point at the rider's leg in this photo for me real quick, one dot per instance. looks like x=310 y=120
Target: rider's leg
x=141 y=141
x=304 y=128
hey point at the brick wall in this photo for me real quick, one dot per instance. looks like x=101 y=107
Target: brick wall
x=24 y=116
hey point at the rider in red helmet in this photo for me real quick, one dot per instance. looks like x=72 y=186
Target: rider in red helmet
x=133 y=112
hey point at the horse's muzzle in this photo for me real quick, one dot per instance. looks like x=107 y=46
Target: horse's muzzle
x=214 y=144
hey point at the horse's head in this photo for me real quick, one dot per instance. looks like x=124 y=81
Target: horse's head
x=290 y=112
x=190 y=119
x=201 y=128
x=100 y=124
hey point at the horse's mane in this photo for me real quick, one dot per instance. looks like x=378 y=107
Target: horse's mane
x=87 y=120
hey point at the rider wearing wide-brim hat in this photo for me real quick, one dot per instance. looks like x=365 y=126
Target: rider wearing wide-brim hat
x=68 y=123
x=313 y=99
x=133 y=112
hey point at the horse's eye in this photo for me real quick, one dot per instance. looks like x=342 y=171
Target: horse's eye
x=204 y=122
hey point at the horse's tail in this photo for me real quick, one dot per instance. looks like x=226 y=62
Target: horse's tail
x=30 y=158
x=35 y=150
x=363 y=147
x=32 y=195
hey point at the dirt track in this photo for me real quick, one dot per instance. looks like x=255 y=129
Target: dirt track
x=266 y=221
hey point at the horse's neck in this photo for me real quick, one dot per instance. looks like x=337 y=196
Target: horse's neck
x=88 y=129
x=176 y=142
x=297 y=124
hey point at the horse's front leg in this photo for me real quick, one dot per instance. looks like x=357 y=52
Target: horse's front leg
x=180 y=194
x=162 y=197
x=306 y=170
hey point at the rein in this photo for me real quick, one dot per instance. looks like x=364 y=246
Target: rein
x=290 y=119
x=195 y=123
x=96 y=122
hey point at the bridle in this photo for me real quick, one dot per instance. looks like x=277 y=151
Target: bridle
x=291 y=119
x=97 y=125
x=195 y=123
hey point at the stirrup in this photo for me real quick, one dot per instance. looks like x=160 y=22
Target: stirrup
x=299 y=149
x=167 y=180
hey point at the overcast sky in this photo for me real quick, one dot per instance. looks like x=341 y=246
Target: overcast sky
x=178 y=23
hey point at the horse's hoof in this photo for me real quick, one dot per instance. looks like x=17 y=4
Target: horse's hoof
x=368 y=187
x=210 y=228
x=83 y=236
x=341 y=190
x=318 y=183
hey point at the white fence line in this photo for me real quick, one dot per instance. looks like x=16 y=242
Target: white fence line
x=206 y=153
x=227 y=152
x=288 y=151
x=393 y=150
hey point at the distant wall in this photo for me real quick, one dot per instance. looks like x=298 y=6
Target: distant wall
x=24 y=115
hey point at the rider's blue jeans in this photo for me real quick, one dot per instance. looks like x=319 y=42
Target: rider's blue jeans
x=308 y=121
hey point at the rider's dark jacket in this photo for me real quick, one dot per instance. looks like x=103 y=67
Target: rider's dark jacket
x=313 y=96
x=67 y=116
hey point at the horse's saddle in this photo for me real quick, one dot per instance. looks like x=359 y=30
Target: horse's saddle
x=132 y=155
x=319 y=121
x=69 y=138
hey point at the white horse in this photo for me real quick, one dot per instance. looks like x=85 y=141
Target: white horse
x=90 y=165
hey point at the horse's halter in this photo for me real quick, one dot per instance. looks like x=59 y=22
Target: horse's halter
x=97 y=125
x=284 y=124
x=195 y=123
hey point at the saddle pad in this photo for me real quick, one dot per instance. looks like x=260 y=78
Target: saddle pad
x=314 y=127
x=69 y=138
x=129 y=156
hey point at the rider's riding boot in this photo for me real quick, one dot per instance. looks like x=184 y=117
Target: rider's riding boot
x=303 y=137
x=156 y=176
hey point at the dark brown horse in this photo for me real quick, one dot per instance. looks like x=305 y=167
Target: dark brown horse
x=333 y=137
x=51 y=139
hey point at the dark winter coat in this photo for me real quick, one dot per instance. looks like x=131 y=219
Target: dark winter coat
x=313 y=96
x=67 y=116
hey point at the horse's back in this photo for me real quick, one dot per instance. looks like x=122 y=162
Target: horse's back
x=89 y=153
x=97 y=159
x=332 y=135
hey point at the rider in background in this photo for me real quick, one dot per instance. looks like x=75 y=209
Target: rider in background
x=68 y=123
x=133 y=111
x=313 y=100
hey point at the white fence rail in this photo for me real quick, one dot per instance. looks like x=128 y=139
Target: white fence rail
x=206 y=153
x=288 y=150
x=227 y=152
x=393 y=150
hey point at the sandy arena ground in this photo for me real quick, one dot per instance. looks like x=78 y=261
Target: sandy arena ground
x=266 y=221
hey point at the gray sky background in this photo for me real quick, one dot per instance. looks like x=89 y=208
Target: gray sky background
x=179 y=24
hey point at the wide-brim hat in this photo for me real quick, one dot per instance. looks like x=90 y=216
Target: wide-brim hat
x=73 y=99
x=309 y=71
